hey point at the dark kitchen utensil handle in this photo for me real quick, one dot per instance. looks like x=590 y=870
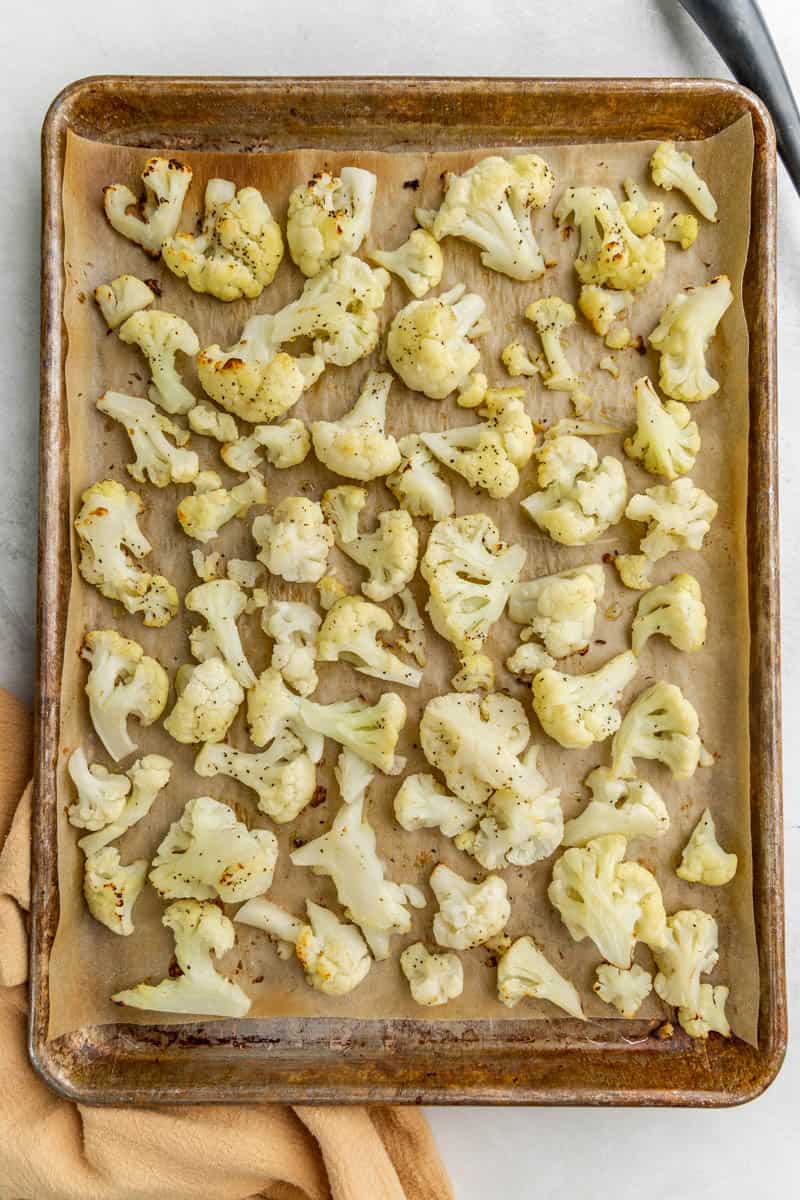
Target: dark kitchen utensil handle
x=738 y=30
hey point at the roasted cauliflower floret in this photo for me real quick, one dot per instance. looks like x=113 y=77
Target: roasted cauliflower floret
x=328 y=216
x=551 y=317
x=418 y=262
x=293 y=627
x=110 y=544
x=221 y=602
x=703 y=860
x=202 y=515
x=522 y=825
x=676 y=611
x=370 y=730
x=210 y=422
x=254 y=379
x=389 y=553
x=111 y=889
x=610 y=253
x=166 y=182
x=209 y=696
x=123 y=682
x=121 y=298
x=294 y=540
x=678 y=516
x=629 y=807
x=348 y=854
x=523 y=971
x=490 y=205
x=157 y=460
x=605 y=309
x=683 y=229
x=148 y=777
x=672 y=168
x=489 y=454
x=660 y=725
x=560 y=609
x=357 y=445
x=417 y=484
x=208 y=853
x=666 y=442
x=422 y=803
x=528 y=659
x=470 y=573
x=641 y=214
x=101 y=795
x=351 y=633
x=577 y=710
x=580 y=496
x=615 y=903
x=429 y=341
x=517 y=361
x=469 y=913
x=476 y=674
x=626 y=990
x=283 y=776
x=273 y=712
x=682 y=337
x=475 y=742
x=200 y=930
x=237 y=251
x=334 y=956
x=687 y=951
x=160 y=336
x=433 y=978
x=286 y=445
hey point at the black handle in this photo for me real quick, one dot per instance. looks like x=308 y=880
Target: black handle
x=738 y=30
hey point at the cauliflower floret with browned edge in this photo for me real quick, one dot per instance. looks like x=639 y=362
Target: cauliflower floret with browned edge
x=602 y=897
x=688 y=950
x=683 y=229
x=111 y=543
x=285 y=445
x=166 y=182
x=610 y=253
x=604 y=309
x=580 y=495
x=429 y=341
x=121 y=298
x=328 y=216
x=203 y=514
x=357 y=445
x=111 y=889
x=641 y=214
x=352 y=632
x=283 y=776
x=238 y=249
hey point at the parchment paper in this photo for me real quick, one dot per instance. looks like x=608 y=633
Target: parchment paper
x=88 y=963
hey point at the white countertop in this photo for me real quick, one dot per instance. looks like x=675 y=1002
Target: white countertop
x=516 y=1154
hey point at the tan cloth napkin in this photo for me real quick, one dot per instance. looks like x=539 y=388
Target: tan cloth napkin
x=51 y=1149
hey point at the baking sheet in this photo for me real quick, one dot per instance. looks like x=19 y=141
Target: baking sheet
x=88 y=963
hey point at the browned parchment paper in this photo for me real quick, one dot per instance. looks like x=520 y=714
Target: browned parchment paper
x=89 y=963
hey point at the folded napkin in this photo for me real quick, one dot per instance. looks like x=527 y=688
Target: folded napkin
x=51 y=1149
